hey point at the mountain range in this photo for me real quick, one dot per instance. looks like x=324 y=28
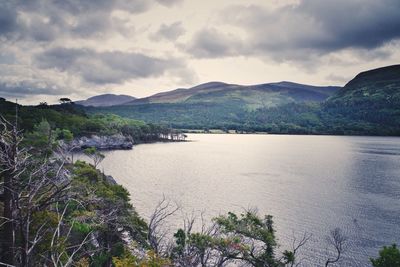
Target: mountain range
x=253 y=96
x=106 y=100
x=368 y=104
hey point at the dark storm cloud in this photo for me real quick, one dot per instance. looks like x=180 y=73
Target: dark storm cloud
x=8 y=15
x=360 y=23
x=47 y=20
x=211 y=43
x=169 y=31
x=312 y=27
x=105 y=67
x=83 y=7
x=31 y=33
x=23 y=88
x=60 y=58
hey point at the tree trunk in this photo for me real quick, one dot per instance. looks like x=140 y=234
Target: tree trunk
x=8 y=241
x=8 y=238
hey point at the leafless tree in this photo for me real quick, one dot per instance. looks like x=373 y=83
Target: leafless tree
x=61 y=258
x=190 y=255
x=40 y=190
x=32 y=189
x=338 y=240
x=66 y=150
x=207 y=244
x=193 y=255
x=11 y=166
x=297 y=244
x=157 y=225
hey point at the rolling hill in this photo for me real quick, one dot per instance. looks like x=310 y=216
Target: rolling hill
x=385 y=80
x=250 y=96
x=105 y=100
x=216 y=104
x=372 y=96
x=367 y=105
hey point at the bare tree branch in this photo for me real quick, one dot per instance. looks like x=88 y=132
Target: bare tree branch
x=157 y=231
x=338 y=240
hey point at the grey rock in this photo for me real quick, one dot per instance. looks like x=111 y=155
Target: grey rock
x=110 y=179
x=117 y=141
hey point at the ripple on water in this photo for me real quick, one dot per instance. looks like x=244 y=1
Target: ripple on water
x=308 y=183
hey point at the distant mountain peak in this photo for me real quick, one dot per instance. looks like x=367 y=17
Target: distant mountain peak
x=106 y=100
x=215 y=91
x=286 y=83
x=391 y=72
x=254 y=96
x=380 y=79
x=210 y=85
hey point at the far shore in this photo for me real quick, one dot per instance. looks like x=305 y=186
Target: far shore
x=217 y=131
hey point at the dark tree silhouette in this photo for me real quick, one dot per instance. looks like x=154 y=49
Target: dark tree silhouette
x=65 y=100
x=337 y=239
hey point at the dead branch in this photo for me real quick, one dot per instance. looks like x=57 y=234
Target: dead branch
x=338 y=240
x=157 y=230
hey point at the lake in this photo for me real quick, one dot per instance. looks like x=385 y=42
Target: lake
x=308 y=183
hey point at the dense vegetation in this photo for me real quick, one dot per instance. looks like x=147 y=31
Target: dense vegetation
x=372 y=97
x=182 y=115
x=72 y=117
x=294 y=118
x=388 y=257
x=59 y=213
x=367 y=105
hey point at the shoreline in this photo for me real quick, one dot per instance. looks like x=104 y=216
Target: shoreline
x=232 y=132
x=112 y=142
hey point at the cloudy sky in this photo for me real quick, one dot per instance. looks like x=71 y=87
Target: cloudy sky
x=71 y=48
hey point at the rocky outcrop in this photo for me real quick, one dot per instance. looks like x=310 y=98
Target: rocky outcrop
x=110 y=179
x=117 y=141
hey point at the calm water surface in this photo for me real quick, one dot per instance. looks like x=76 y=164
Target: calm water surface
x=308 y=183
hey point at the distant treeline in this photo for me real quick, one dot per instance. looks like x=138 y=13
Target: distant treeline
x=74 y=118
x=331 y=117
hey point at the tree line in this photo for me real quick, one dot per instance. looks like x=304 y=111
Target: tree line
x=73 y=118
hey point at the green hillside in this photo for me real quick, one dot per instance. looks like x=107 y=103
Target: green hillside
x=217 y=104
x=265 y=95
x=250 y=97
x=105 y=100
x=183 y=115
x=73 y=118
x=372 y=96
x=368 y=105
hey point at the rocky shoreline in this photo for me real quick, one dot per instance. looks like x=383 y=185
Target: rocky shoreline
x=110 y=142
x=117 y=141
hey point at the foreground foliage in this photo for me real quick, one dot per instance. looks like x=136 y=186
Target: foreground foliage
x=72 y=118
x=388 y=257
x=55 y=212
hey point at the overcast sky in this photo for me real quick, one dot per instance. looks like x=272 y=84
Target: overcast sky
x=70 y=48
